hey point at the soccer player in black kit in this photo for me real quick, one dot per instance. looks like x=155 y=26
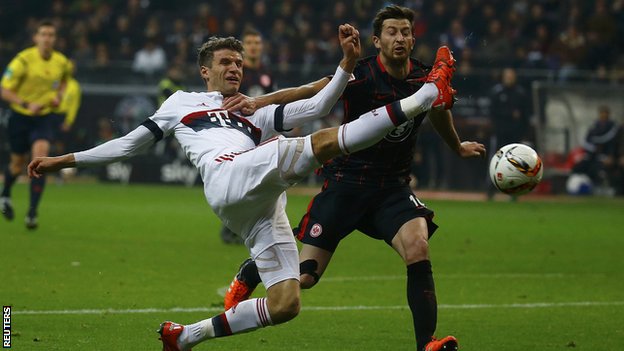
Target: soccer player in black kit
x=368 y=190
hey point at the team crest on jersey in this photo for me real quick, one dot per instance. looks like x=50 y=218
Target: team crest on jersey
x=316 y=230
x=401 y=132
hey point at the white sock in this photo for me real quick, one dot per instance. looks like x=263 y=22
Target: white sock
x=420 y=101
x=248 y=315
x=372 y=126
x=195 y=333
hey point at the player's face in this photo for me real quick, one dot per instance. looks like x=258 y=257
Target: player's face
x=45 y=38
x=226 y=72
x=396 y=40
x=253 y=46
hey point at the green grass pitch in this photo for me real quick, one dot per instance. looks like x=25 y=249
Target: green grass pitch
x=110 y=262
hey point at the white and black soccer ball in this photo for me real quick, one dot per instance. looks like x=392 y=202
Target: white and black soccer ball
x=516 y=169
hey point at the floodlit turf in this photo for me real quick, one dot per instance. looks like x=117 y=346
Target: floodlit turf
x=110 y=262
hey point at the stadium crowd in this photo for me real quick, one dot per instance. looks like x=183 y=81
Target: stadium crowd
x=564 y=37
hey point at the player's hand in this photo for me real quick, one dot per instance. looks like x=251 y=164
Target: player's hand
x=240 y=103
x=34 y=107
x=469 y=149
x=349 y=38
x=40 y=165
x=56 y=101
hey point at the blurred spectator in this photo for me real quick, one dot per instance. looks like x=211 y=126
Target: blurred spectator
x=150 y=59
x=601 y=150
x=570 y=48
x=601 y=32
x=496 y=47
x=509 y=111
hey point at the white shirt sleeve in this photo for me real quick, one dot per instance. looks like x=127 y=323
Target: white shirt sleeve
x=273 y=119
x=133 y=143
x=300 y=112
x=137 y=141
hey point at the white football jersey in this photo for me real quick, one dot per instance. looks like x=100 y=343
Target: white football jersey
x=206 y=132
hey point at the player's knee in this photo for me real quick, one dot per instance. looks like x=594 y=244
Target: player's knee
x=308 y=274
x=16 y=167
x=285 y=309
x=416 y=249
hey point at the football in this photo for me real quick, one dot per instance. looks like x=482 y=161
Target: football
x=516 y=169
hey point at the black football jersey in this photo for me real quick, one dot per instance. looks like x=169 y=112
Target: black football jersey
x=386 y=163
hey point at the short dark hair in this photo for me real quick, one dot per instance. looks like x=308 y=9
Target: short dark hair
x=46 y=22
x=205 y=53
x=251 y=31
x=391 y=12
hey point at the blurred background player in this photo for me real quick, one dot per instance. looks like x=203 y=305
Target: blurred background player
x=257 y=80
x=510 y=116
x=369 y=190
x=33 y=84
x=172 y=82
x=67 y=112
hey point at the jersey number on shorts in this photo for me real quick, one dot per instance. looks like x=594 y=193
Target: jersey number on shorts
x=416 y=202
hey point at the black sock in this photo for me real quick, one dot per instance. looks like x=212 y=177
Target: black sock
x=249 y=275
x=9 y=180
x=422 y=301
x=36 y=190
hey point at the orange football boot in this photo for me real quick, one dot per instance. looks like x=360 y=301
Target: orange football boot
x=169 y=333
x=441 y=75
x=448 y=343
x=239 y=290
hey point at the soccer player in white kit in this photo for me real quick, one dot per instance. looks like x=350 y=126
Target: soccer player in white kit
x=246 y=166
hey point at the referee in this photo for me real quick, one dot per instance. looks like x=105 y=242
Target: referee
x=33 y=85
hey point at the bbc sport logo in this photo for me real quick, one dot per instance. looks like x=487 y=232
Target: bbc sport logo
x=6 y=327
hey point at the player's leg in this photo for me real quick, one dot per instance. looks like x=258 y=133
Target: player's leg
x=411 y=242
x=312 y=264
x=40 y=148
x=18 y=129
x=279 y=271
x=405 y=223
x=332 y=214
x=16 y=164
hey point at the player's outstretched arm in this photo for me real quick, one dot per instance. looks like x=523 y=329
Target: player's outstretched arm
x=114 y=150
x=248 y=105
x=442 y=121
x=349 y=38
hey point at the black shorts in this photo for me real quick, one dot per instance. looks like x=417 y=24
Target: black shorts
x=24 y=130
x=340 y=208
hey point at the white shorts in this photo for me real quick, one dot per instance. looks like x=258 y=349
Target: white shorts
x=278 y=263
x=247 y=193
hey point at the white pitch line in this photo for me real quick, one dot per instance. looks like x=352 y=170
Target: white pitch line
x=321 y=308
x=451 y=276
x=221 y=291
